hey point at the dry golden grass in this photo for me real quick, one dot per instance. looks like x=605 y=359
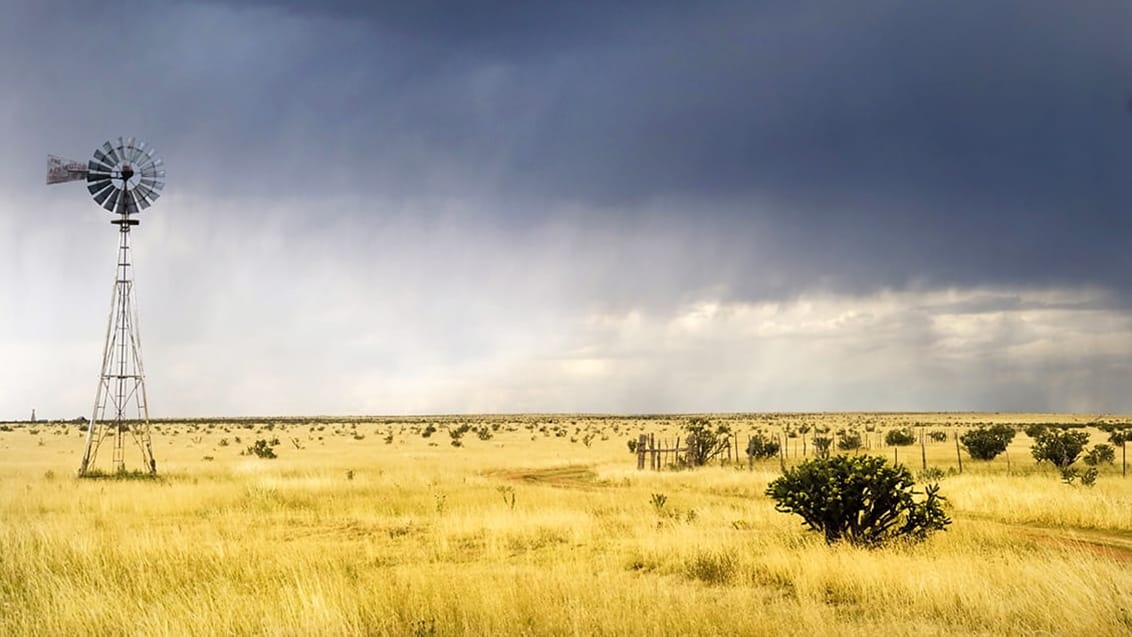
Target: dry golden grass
x=351 y=536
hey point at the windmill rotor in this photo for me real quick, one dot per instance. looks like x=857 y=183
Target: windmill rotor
x=125 y=177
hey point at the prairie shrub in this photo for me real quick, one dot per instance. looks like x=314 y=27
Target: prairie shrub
x=1089 y=478
x=931 y=474
x=1060 y=448
x=1100 y=454
x=762 y=446
x=822 y=445
x=860 y=499
x=986 y=443
x=705 y=443
x=900 y=437
x=848 y=440
x=261 y=449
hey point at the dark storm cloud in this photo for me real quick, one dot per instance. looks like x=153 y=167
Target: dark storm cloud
x=890 y=142
x=841 y=145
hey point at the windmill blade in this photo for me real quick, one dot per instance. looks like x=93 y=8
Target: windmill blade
x=142 y=191
x=101 y=196
x=61 y=170
x=108 y=150
x=96 y=187
x=111 y=203
x=95 y=171
x=155 y=181
x=103 y=160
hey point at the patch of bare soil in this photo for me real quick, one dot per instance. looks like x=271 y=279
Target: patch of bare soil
x=568 y=477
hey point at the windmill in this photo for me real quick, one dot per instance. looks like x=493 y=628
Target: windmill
x=124 y=177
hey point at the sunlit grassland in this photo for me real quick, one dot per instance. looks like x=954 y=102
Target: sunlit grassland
x=350 y=534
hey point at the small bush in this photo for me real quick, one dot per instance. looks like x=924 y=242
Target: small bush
x=849 y=441
x=860 y=499
x=762 y=446
x=938 y=436
x=1060 y=448
x=986 y=443
x=900 y=437
x=1120 y=436
x=822 y=445
x=1100 y=454
x=711 y=567
x=1089 y=478
x=261 y=449
x=931 y=474
x=704 y=442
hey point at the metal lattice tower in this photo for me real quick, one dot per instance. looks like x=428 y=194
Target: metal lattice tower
x=124 y=178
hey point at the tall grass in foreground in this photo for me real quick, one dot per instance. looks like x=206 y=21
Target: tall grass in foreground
x=360 y=537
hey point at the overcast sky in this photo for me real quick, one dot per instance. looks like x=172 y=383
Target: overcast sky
x=425 y=207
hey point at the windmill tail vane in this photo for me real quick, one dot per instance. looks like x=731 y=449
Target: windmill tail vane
x=61 y=170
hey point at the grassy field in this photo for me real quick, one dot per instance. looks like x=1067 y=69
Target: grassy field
x=542 y=525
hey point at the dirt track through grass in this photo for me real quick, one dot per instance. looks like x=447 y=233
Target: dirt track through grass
x=566 y=477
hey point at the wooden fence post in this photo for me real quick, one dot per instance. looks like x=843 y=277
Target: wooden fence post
x=958 y=456
x=1124 y=456
x=641 y=442
x=923 y=452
